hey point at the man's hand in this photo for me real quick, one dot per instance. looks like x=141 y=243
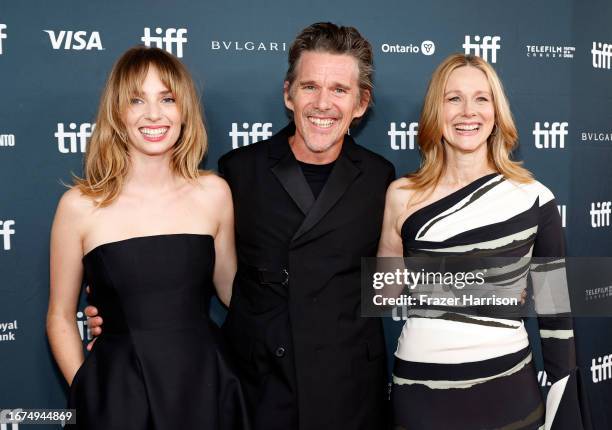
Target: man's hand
x=94 y=322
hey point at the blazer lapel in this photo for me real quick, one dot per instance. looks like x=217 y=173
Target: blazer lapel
x=287 y=170
x=343 y=174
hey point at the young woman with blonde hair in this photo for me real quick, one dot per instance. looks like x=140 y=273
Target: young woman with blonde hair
x=460 y=367
x=151 y=234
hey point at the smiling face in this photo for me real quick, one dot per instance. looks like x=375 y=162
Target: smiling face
x=468 y=110
x=152 y=119
x=325 y=98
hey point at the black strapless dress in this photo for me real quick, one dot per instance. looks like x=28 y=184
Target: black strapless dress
x=159 y=363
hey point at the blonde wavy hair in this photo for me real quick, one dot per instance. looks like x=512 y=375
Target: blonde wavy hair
x=107 y=159
x=500 y=143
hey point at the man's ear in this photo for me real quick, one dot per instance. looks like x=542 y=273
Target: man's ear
x=287 y=96
x=364 y=101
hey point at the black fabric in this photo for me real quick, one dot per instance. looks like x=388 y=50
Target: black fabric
x=460 y=371
x=160 y=362
x=333 y=361
x=316 y=175
x=509 y=402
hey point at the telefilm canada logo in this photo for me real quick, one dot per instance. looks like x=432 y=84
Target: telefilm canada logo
x=426 y=47
x=485 y=47
x=170 y=39
x=249 y=133
x=2 y=36
x=248 y=46
x=598 y=293
x=7 y=140
x=403 y=135
x=75 y=40
x=75 y=138
x=550 y=51
x=550 y=135
x=7 y=229
x=8 y=330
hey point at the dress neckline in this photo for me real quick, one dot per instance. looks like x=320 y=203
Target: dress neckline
x=466 y=189
x=135 y=238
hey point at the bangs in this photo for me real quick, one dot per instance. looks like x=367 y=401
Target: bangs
x=130 y=76
x=133 y=71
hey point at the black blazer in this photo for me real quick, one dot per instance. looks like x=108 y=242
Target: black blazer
x=305 y=343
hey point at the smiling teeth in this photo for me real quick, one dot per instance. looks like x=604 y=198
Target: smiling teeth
x=467 y=127
x=154 y=131
x=321 y=122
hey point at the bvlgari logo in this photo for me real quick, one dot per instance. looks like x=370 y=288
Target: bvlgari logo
x=248 y=46
x=596 y=136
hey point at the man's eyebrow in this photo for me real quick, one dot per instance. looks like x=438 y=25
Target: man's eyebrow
x=341 y=85
x=333 y=84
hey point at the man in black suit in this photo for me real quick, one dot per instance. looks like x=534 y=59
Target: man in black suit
x=308 y=205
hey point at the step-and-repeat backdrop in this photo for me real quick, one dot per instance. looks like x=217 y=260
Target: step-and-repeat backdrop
x=555 y=59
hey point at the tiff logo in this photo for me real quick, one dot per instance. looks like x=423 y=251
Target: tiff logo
x=7 y=140
x=601 y=369
x=600 y=214
x=406 y=137
x=84 y=330
x=6 y=231
x=489 y=45
x=172 y=36
x=549 y=133
x=2 y=35
x=258 y=131
x=77 y=139
x=602 y=54
x=562 y=209
x=75 y=40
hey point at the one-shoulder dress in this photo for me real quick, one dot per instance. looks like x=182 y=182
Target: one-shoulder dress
x=462 y=370
x=159 y=363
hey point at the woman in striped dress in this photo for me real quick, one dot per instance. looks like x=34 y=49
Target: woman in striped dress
x=456 y=369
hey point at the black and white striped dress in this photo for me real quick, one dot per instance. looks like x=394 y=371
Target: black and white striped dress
x=456 y=370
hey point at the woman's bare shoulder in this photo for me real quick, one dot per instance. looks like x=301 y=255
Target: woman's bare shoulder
x=213 y=188
x=75 y=203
